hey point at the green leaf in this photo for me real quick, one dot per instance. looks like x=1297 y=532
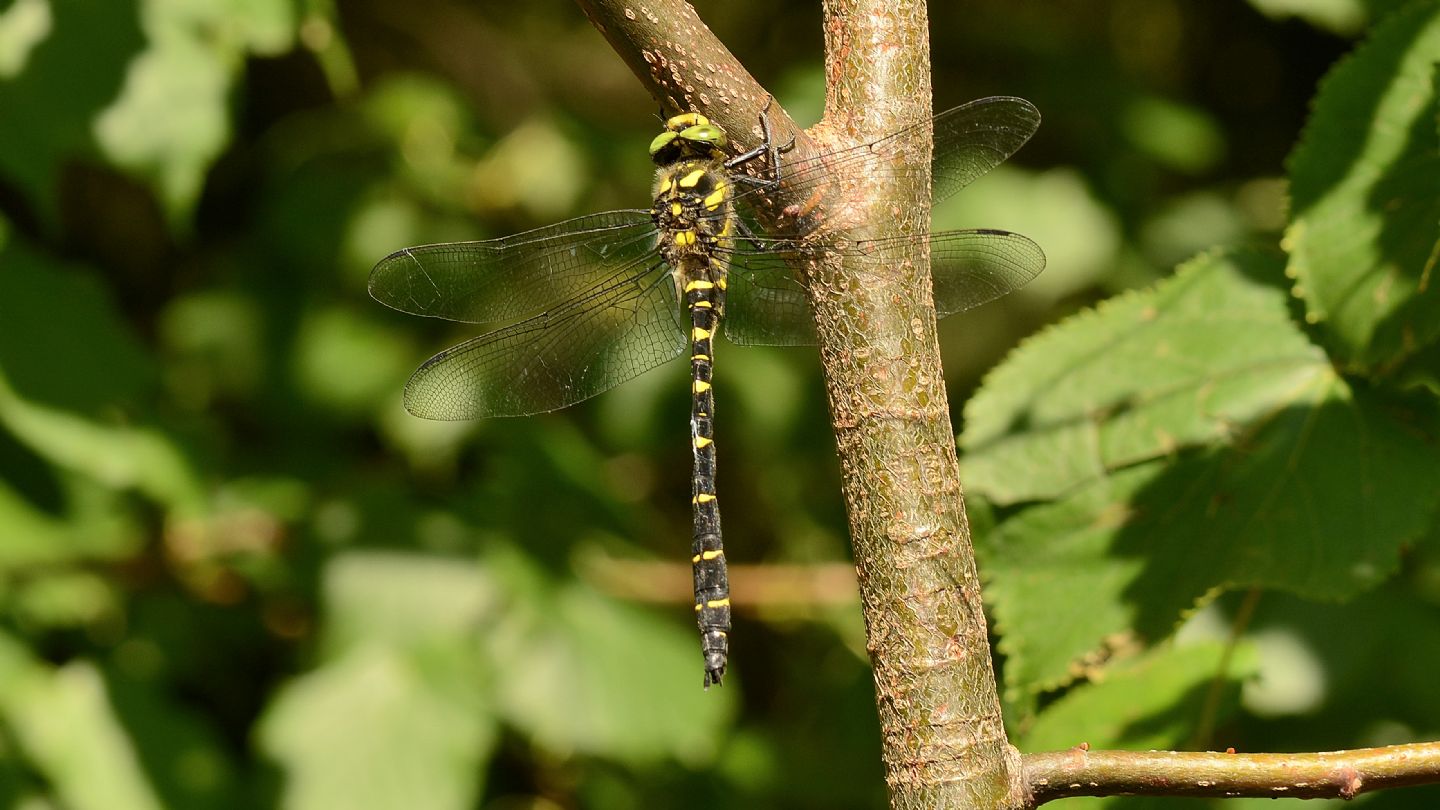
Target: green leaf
x=119 y=457
x=1318 y=501
x=64 y=724
x=402 y=600
x=146 y=87
x=377 y=729
x=349 y=363
x=23 y=25
x=64 y=343
x=582 y=673
x=93 y=525
x=66 y=356
x=1151 y=702
x=172 y=117
x=397 y=716
x=1339 y=16
x=1138 y=378
x=1364 y=235
x=85 y=50
x=1302 y=482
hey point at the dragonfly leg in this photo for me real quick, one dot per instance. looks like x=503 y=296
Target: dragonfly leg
x=767 y=148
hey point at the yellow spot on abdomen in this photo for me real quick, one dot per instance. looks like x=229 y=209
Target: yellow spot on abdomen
x=699 y=284
x=718 y=603
x=700 y=387
x=701 y=441
x=699 y=334
x=703 y=497
x=711 y=555
x=702 y=304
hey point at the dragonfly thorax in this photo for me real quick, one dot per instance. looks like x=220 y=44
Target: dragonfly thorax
x=692 y=210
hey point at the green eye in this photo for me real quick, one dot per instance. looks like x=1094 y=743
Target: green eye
x=708 y=134
x=661 y=141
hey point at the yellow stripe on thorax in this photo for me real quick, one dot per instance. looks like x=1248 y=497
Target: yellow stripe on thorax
x=716 y=197
x=689 y=180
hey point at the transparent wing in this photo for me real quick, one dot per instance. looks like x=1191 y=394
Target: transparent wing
x=766 y=305
x=970 y=268
x=974 y=138
x=969 y=140
x=610 y=333
x=519 y=275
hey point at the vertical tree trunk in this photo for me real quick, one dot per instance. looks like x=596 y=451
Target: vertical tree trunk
x=944 y=742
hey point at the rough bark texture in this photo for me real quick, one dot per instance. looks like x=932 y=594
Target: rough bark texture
x=944 y=742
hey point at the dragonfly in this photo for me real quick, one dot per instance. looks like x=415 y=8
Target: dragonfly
x=592 y=302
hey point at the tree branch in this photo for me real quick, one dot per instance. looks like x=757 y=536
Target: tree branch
x=683 y=65
x=1335 y=774
x=944 y=745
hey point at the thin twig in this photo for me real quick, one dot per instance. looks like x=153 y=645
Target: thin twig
x=1333 y=774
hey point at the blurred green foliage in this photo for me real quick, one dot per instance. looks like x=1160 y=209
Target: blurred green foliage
x=235 y=574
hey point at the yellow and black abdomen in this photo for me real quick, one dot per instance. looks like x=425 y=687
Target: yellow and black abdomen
x=693 y=213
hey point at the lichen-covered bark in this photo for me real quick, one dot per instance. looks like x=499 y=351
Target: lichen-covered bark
x=945 y=744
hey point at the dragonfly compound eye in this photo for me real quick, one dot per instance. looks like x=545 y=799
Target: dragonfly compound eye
x=705 y=135
x=661 y=141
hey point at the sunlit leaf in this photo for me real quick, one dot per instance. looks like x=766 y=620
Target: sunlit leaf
x=1154 y=701
x=349 y=363
x=396 y=716
x=1340 y=16
x=580 y=673
x=172 y=117
x=373 y=731
x=1272 y=473
x=64 y=724
x=1364 y=236
x=1140 y=377
x=23 y=25
x=86 y=52
x=119 y=457
x=403 y=600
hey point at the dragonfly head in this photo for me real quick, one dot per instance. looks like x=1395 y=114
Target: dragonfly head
x=688 y=135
